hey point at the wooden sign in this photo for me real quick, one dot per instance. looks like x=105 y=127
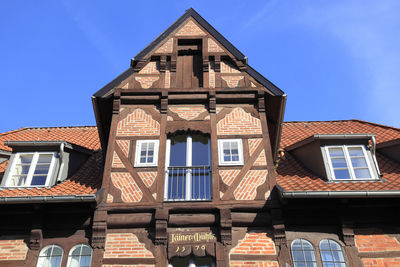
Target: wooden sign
x=186 y=243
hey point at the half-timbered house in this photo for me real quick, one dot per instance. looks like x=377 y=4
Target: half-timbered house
x=191 y=165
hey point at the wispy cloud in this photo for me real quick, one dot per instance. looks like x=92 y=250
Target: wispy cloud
x=370 y=32
x=268 y=7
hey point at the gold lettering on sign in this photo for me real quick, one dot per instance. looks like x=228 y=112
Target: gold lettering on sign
x=192 y=237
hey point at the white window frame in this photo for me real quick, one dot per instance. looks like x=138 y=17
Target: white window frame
x=80 y=255
x=331 y=173
x=222 y=162
x=41 y=258
x=188 y=188
x=32 y=168
x=139 y=149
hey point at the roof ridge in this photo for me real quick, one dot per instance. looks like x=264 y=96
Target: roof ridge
x=54 y=127
x=350 y=120
x=13 y=131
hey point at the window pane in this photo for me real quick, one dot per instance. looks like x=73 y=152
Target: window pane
x=355 y=152
x=342 y=174
x=336 y=152
x=45 y=158
x=298 y=255
x=200 y=150
x=25 y=159
x=362 y=173
x=331 y=254
x=359 y=162
x=21 y=169
x=339 y=163
x=42 y=169
x=151 y=146
x=310 y=256
x=39 y=180
x=326 y=255
x=178 y=151
x=18 y=180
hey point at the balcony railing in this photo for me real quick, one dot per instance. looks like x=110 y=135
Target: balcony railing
x=188 y=183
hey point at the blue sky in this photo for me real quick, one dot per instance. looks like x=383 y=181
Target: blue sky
x=334 y=59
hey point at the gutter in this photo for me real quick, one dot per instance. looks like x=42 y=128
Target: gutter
x=339 y=194
x=48 y=199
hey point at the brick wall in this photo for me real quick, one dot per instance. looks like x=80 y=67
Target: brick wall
x=147 y=177
x=190 y=29
x=213 y=46
x=376 y=243
x=239 y=121
x=258 y=243
x=188 y=112
x=380 y=262
x=146 y=82
x=166 y=47
x=228 y=67
x=150 y=68
x=253 y=264
x=211 y=75
x=116 y=161
x=130 y=192
x=125 y=245
x=261 y=159
x=138 y=123
x=232 y=81
x=247 y=189
x=13 y=250
x=228 y=176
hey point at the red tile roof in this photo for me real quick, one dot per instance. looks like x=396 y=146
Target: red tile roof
x=87 y=180
x=293 y=176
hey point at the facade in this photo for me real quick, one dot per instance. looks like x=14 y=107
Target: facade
x=191 y=165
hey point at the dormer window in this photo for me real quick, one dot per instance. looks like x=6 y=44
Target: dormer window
x=349 y=162
x=31 y=169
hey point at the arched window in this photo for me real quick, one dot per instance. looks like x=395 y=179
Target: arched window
x=80 y=256
x=50 y=256
x=303 y=254
x=331 y=254
x=190 y=261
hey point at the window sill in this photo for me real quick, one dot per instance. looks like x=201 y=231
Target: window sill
x=355 y=181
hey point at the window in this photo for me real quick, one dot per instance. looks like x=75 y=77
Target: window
x=31 y=169
x=50 y=256
x=80 y=256
x=331 y=254
x=188 y=168
x=192 y=262
x=146 y=153
x=303 y=254
x=348 y=163
x=230 y=152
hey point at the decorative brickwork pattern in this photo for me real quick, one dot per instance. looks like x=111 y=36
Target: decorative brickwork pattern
x=188 y=113
x=150 y=68
x=169 y=118
x=190 y=29
x=228 y=67
x=261 y=160
x=166 y=47
x=376 y=243
x=138 y=123
x=110 y=198
x=239 y=121
x=213 y=46
x=124 y=145
x=130 y=192
x=253 y=144
x=232 y=81
x=146 y=82
x=125 y=245
x=116 y=161
x=126 y=86
x=13 y=250
x=252 y=84
x=255 y=244
x=228 y=176
x=211 y=75
x=147 y=177
x=382 y=262
x=247 y=189
x=253 y=264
